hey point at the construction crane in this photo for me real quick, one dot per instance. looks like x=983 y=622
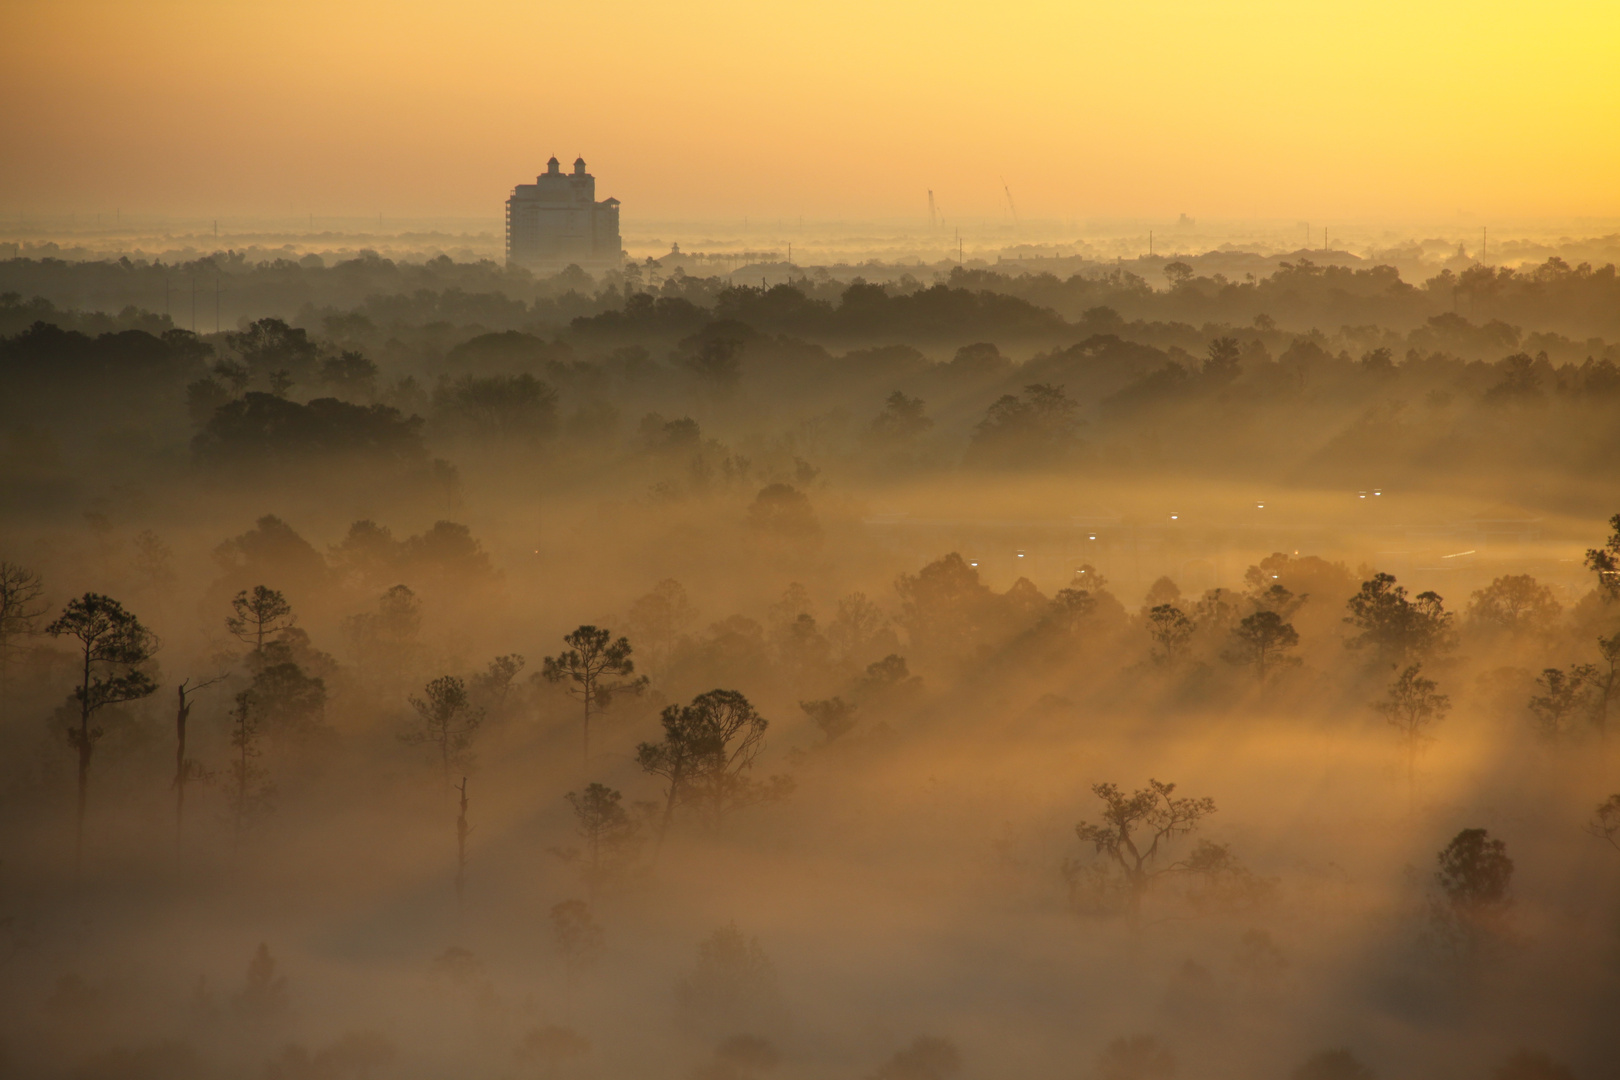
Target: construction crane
x=1010 y=205
x=933 y=218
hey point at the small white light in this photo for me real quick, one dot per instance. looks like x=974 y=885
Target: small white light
x=1259 y=506
x=1173 y=517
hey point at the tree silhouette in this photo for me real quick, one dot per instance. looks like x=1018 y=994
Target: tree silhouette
x=185 y=769
x=1475 y=875
x=1259 y=641
x=596 y=667
x=732 y=986
x=1515 y=604
x=257 y=615
x=494 y=683
x=607 y=829
x=1401 y=630
x=1135 y=827
x=577 y=935
x=1605 y=562
x=901 y=422
x=385 y=641
x=350 y=373
x=1562 y=694
x=21 y=608
x=1605 y=822
x=1039 y=428
x=1224 y=354
x=496 y=406
x=715 y=357
x=264 y=993
x=444 y=720
x=1411 y=706
x=289 y=700
x=1604 y=679
x=249 y=790
x=1171 y=632
x=706 y=754
x=782 y=511
x=659 y=618
x=832 y=716
x=112 y=645
x=270 y=345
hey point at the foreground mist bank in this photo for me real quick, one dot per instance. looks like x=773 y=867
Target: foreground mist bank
x=459 y=674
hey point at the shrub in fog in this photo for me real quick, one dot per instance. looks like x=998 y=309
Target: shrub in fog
x=1338 y=1064
x=1475 y=877
x=550 y=1047
x=732 y=987
x=1137 y=1057
x=929 y=1057
x=1531 y=1065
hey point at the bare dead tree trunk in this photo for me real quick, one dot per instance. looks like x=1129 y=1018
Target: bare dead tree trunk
x=84 y=749
x=84 y=791
x=588 y=695
x=1411 y=776
x=180 y=769
x=462 y=829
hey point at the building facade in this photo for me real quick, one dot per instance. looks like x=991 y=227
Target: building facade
x=556 y=222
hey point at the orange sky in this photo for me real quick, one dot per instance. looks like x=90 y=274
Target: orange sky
x=1240 y=108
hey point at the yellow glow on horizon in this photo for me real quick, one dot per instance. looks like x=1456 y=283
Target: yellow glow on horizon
x=1256 y=108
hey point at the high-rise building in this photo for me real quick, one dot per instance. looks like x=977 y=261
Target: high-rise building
x=556 y=222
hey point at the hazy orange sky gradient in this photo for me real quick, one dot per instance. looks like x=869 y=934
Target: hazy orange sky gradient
x=1241 y=108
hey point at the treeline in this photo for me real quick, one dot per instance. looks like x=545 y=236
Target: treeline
x=372 y=296
x=273 y=402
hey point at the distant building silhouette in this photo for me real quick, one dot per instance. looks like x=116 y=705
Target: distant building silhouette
x=556 y=221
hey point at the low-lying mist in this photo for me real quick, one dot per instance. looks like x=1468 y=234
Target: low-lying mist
x=458 y=673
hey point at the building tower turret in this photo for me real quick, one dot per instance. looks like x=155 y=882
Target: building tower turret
x=556 y=222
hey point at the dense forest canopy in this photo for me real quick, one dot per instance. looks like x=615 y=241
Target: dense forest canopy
x=1198 y=667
